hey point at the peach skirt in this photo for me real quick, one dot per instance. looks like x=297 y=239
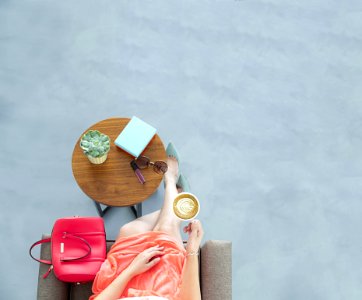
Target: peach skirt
x=162 y=280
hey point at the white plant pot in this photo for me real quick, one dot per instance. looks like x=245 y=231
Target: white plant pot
x=97 y=160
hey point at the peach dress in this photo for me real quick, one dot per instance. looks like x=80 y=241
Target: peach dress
x=161 y=281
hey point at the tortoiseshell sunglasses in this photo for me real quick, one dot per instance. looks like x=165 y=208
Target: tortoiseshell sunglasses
x=144 y=162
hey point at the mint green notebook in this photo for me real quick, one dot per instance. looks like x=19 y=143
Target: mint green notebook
x=135 y=137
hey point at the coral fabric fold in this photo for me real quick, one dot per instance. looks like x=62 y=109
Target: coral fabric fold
x=145 y=298
x=162 y=280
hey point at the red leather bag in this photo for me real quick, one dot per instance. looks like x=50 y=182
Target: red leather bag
x=78 y=248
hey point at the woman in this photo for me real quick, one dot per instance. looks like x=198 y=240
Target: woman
x=148 y=259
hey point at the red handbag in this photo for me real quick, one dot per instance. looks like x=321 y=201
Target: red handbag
x=78 y=248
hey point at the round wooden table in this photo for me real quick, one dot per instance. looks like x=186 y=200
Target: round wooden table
x=113 y=183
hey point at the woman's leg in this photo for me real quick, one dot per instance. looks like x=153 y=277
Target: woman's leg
x=167 y=221
x=141 y=224
x=160 y=220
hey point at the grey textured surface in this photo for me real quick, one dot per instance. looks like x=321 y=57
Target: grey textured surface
x=262 y=99
x=216 y=273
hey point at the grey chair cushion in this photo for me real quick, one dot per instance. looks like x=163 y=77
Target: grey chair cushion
x=81 y=291
x=216 y=270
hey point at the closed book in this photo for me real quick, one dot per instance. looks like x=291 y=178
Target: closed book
x=135 y=137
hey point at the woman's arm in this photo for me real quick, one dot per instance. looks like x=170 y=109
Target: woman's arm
x=115 y=289
x=142 y=262
x=190 y=284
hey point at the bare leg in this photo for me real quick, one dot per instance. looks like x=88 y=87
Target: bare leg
x=167 y=221
x=160 y=220
x=141 y=224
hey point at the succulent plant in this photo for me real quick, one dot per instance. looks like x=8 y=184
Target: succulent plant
x=94 y=143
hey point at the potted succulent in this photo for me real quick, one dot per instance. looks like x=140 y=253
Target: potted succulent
x=95 y=146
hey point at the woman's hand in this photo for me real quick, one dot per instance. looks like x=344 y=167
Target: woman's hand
x=195 y=231
x=143 y=261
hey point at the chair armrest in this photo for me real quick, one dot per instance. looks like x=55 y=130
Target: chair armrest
x=50 y=288
x=216 y=270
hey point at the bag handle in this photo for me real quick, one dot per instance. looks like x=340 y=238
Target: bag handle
x=66 y=234
x=47 y=240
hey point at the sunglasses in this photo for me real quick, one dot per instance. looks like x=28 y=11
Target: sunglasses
x=144 y=162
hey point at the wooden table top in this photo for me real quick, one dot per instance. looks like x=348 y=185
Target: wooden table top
x=114 y=183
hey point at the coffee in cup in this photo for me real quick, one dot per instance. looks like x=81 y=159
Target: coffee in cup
x=186 y=206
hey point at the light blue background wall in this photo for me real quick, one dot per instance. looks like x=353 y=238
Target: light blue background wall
x=262 y=99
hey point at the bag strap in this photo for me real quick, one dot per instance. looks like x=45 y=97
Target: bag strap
x=66 y=234
x=97 y=233
x=47 y=240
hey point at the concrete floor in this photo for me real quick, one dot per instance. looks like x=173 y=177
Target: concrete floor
x=262 y=99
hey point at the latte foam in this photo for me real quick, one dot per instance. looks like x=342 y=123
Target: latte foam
x=185 y=206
